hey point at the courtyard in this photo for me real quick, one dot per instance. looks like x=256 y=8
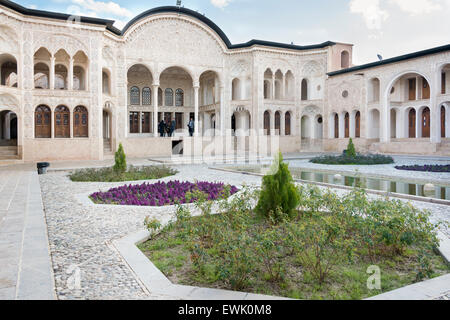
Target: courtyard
x=70 y=242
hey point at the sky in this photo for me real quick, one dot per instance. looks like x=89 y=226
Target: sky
x=386 y=27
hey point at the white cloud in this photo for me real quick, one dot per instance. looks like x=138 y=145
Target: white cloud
x=104 y=8
x=220 y=3
x=371 y=11
x=417 y=7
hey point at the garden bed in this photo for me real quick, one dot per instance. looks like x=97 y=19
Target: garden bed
x=323 y=252
x=132 y=174
x=163 y=193
x=359 y=159
x=425 y=168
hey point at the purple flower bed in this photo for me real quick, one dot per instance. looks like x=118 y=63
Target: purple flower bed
x=426 y=168
x=158 y=194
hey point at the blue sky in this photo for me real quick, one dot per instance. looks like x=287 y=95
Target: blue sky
x=387 y=27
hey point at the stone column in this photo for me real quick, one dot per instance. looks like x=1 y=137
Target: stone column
x=435 y=110
x=196 y=122
x=341 y=126
x=385 y=115
x=70 y=74
x=351 y=124
x=222 y=111
x=283 y=87
x=52 y=73
x=155 y=88
x=272 y=123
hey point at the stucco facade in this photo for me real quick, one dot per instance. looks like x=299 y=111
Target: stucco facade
x=74 y=88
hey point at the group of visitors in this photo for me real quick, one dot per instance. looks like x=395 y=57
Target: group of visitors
x=169 y=128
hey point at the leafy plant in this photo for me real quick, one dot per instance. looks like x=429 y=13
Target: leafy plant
x=120 y=164
x=351 y=151
x=278 y=192
x=358 y=159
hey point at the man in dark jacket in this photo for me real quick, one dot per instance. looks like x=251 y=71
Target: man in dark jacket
x=191 y=127
x=172 y=128
x=162 y=128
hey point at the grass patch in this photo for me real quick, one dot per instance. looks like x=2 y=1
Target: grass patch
x=321 y=252
x=359 y=159
x=132 y=174
x=426 y=168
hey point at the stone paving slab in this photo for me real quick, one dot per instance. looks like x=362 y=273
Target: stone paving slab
x=26 y=271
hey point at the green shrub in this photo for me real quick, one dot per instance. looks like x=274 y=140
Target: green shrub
x=120 y=160
x=351 y=151
x=359 y=159
x=278 y=192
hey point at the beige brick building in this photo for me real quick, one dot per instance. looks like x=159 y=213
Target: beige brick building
x=76 y=87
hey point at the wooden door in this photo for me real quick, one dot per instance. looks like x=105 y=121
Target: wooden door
x=358 y=125
x=412 y=89
x=267 y=123
x=412 y=123
x=277 y=123
x=347 y=125
x=287 y=124
x=178 y=120
x=80 y=122
x=62 y=122
x=443 y=122
x=134 y=122
x=426 y=123
x=425 y=89
x=146 y=122
x=443 y=87
x=42 y=122
x=336 y=126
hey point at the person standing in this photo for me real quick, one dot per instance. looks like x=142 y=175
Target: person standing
x=172 y=127
x=191 y=127
x=162 y=128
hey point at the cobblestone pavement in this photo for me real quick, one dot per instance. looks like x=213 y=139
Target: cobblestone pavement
x=80 y=235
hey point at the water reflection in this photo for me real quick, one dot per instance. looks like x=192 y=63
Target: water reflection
x=439 y=192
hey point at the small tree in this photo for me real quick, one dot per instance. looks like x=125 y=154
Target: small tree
x=120 y=160
x=279 y=196
x=351 y=151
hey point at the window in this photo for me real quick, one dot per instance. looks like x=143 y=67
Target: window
x=42 y=126
x=145 y=122
x=135 y=96
x=80 y=122
x=134 y=122
x=345 y=59
x=287 y=124
x=179 y=98
x=159 y=97
x=304 y=89
x=62 y=122
x=168 y=94
x=146 y=96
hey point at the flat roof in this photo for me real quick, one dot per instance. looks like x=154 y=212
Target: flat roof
x=165 y=9
x=408 y=56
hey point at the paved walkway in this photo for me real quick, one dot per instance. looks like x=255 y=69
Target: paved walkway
x=25 y=265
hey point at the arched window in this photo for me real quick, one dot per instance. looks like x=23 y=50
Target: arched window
x=358 y=125
x=146 y=96
x=105 y=83
x=287 y=124
x=179 y=98
x=62 y=122
x=347 y=125
x=168 y=97
x=80 y=122
x=42 y=122
x=412 y=123
x=277 y=122
x=336 y=126
x=160 y=97
x=304 y=89
x=135 y=96
x=345 y=59
x=267 y=123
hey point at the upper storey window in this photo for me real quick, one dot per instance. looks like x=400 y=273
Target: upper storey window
x=146 y=96
x=168 y=97
x=345 y=59
x=179 y=98
x=135 y=96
